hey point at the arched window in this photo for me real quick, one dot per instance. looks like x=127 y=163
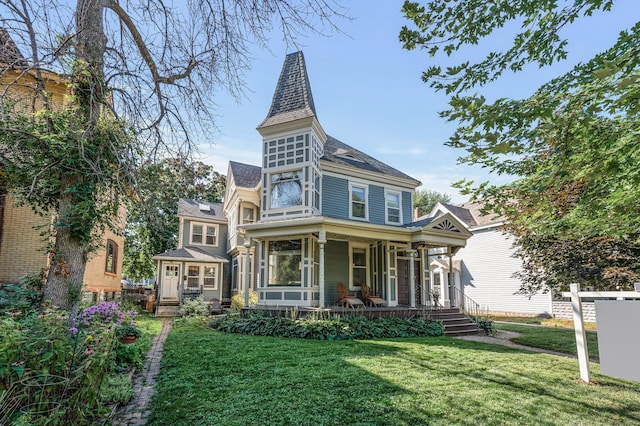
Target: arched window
x=112 y=257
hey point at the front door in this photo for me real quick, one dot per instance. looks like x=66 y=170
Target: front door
x=404 y=284
x=170 y=281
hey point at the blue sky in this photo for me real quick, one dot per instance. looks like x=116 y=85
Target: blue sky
x=368 y=92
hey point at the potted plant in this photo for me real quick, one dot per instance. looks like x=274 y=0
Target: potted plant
x=128 y=333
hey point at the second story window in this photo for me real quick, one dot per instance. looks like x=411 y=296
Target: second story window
x=358 y=207
x=203 y=234
x=286 y=189
x=247 y=215
x=393 y=207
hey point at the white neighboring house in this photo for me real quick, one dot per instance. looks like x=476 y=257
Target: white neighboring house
x=483 y=270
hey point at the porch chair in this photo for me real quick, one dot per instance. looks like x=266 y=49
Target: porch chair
x=347 y=300
x=371 y=299
x=215 y=307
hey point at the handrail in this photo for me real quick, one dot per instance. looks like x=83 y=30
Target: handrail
x=469 y=307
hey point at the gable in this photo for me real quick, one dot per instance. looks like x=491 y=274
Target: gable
x=448 y=223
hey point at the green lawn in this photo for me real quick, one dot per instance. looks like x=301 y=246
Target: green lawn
x=212 y=378
x=553 y=339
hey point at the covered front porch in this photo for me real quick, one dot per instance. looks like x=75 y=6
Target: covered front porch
x=301 y=262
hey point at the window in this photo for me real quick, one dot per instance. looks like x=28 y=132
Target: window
x=286 y=189
x=203 y=234
x=359 y=266
x=247 y=215
x=193 y=277
x=393 y=207
x=358 y=206
x=285 y=260
x=209 y=281
x=112 y=257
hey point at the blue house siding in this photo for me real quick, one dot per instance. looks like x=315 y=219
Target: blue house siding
x=376 y=204
x=335 y=197
x=407 y=210
x=220 y=250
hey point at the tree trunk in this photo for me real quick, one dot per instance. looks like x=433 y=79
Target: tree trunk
x=72 y=241
x=67 y=262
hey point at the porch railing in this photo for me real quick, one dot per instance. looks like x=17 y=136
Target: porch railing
x=467 y=305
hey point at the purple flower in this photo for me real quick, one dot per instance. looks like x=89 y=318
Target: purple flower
x=89 y=351
x=73 y=330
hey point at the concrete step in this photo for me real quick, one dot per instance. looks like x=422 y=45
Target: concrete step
x=168 y=311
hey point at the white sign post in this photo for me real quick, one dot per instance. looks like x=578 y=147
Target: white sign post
x=609 y=347
x=581 y=334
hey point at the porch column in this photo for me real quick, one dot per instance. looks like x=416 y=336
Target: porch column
x=247 y=275
x=322 y=240
x=412 y=277
x=451 y=280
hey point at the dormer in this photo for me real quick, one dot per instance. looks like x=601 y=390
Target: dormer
x=293 y=143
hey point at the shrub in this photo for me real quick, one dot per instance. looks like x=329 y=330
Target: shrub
x=52 y=366
x=336 y=328
x=117 y=389
x=487 y=326
x=21 y=299
x=194 y=307
x=237 y=301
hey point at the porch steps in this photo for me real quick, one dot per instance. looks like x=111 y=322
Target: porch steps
x=168 y=311
x=456 y=323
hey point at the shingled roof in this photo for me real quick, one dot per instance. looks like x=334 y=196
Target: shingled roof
x=292 y=99
x=245 y=175
x=9 y=53
x=471 y=215
x=339 y=152
x=200 y=210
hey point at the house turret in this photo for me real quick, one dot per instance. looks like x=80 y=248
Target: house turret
x=293 y=143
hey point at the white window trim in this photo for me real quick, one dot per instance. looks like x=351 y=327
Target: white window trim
x=201 y=267
x=204 y=234
x=368 y=264
x=386 y=207
x=366 y=201
x=216 y=267
x=277 y=171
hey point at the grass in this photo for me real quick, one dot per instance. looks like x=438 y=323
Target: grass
x=547 y=322
x=210 y=378
x=553 y=339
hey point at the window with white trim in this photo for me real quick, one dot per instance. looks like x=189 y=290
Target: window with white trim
x=204 y=234
x=202 y=277
x=359 y=266
x=393 y=212
x=358 y=204
x=286 y=189
x=247 y=215
x=209 y=277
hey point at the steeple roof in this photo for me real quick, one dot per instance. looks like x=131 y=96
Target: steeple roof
x=9 y=53
x=292 y=99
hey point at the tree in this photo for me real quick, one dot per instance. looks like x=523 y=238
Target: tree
x=142 y=75
x=425 y=200
x=152 y=226
x=572 y=147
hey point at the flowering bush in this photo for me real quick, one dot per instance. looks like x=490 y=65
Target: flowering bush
x=76 y=352
x=237 y=301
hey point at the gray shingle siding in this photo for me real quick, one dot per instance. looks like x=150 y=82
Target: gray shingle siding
x=376 y=204
x=335 y=197
x=407 y=210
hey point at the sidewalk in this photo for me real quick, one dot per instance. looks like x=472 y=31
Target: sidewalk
x=138 y=410
x=504 y=337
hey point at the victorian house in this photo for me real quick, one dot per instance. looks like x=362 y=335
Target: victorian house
x=318 y=212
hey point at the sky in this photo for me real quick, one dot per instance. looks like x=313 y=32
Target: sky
x=368 y=92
